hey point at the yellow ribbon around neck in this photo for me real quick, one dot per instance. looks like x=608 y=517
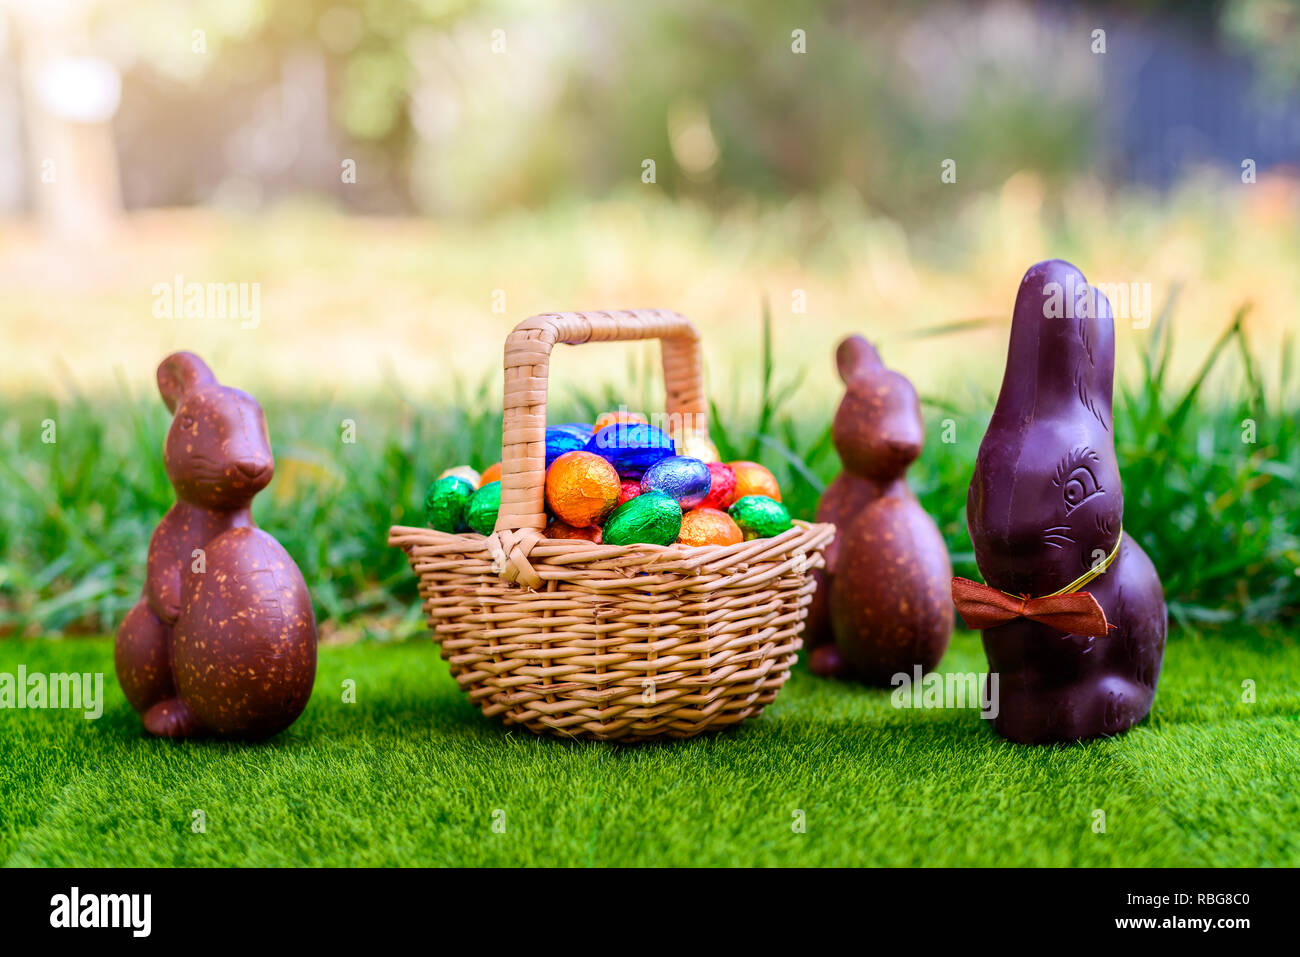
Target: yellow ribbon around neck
x=1092 y=573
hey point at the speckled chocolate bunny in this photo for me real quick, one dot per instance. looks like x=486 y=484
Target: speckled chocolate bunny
x=1074 y=623
x=223 y=639
x=882 y=606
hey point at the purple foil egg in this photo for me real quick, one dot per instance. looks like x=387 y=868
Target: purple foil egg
x=686 y=480
x=631 y=449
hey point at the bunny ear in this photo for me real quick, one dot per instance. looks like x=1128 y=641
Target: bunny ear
x=1061 y=358
x=1098 y=376
x=180 y=373
x=856 y=357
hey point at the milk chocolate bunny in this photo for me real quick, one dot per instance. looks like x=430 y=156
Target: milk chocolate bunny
x=882 y=606
x=1074 y=621
x=223 y=639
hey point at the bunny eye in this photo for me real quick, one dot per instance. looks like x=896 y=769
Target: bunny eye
x=1078 y=488
x=187 y=422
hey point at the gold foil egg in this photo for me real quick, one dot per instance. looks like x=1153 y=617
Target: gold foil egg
x=697 y=445
x=581 y=488
x=465 y=472
x=708 y=526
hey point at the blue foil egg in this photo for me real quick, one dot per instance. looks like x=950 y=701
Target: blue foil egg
x=565 y=438
x=631 y=448
x=684 y=479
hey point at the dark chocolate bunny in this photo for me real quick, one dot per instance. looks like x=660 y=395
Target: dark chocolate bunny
x=223 y=640
x=882 y=605
x=1045 y=507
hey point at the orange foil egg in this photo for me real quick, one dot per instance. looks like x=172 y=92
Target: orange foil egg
x=581 y=488
x=708 y=526
x=558 y=529
x=490 y=474
x=618 y=417
x=753 y=479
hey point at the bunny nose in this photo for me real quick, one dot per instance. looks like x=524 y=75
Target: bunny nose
x=252 y=469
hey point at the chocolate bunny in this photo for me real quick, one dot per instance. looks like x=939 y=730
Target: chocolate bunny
x=882 y=605
x=1045 y=511
x=223 y=639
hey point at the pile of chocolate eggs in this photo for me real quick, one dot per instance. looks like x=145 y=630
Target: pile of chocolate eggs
x=623 y=481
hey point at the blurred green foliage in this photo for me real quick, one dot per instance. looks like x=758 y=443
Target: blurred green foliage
x=1215 y=510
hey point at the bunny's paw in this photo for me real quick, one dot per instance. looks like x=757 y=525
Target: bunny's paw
x=171 y=719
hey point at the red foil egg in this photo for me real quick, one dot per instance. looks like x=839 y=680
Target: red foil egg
x=628 y=490
x=722 y=489
x=581 y=488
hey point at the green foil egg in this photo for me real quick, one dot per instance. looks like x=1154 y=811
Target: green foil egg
x=760 y=517
x=445 y=503
x=652 y=518
x=483 y=508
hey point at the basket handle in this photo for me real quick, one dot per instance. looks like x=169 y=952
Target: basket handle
x=527 y=364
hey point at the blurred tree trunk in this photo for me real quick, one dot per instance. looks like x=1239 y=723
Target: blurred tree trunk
x=69 y=99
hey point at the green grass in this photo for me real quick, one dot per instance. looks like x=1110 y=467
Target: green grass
x=77 y=513
x=412 y=774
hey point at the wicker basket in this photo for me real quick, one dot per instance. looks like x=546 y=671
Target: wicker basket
x=601 y=641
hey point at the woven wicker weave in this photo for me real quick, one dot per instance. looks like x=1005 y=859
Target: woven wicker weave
x=601 y=641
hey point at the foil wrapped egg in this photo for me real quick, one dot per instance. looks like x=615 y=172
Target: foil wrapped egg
x=469 y=474
x=446 y=502
x=698 y=445
x=708 y=526
x=581 y=488
x=559 y=529
x=565 y=438
x=722 y=487
x=484 y=504
x=490 y=474
x=631 y=449
x=760 y=516
x=651 y=518
x=577 y=428
x=618 y=417
x=754 y=479
x=686 y=480
x=628 y=490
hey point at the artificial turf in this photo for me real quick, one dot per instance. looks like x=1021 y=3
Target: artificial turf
x=411 y=774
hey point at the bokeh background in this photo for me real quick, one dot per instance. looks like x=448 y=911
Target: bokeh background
x=404 y=180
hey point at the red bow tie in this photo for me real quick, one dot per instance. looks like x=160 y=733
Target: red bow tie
x=982 y=606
